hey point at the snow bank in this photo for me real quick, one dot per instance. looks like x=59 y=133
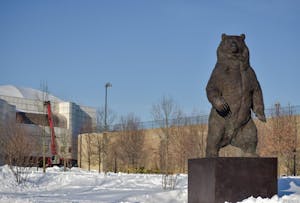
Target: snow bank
x=77 y=185
x=275 y=199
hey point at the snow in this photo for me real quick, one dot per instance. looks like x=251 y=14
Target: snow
x=26 y=93
x=77 y=185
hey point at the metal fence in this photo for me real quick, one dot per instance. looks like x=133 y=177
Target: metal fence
x=203 y=119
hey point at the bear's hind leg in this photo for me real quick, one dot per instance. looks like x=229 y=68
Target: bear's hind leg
x=215 y=133
x=246 y=139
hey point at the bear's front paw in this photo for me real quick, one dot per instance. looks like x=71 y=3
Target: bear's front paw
x=222 y=107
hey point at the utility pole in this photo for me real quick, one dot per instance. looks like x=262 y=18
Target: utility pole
x=104 y=138
x=107 y=85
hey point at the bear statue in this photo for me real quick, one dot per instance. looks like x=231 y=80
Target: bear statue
x=233 y=91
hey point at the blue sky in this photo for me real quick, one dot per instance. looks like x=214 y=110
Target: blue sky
x=146 y=49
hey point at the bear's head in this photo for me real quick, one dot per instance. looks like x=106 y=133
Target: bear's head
x=233 y=48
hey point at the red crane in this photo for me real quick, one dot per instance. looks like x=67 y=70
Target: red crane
x=54 y=159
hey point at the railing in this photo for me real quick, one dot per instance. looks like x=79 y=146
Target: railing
x=203 y=119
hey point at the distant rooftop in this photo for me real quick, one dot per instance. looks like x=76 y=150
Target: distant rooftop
x=26 y=93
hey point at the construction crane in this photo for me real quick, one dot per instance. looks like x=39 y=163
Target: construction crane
x=54 y=160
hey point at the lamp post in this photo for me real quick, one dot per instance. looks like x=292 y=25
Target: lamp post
x=294 y=168
x=107 y=85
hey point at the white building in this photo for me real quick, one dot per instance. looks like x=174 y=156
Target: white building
x=26 y=107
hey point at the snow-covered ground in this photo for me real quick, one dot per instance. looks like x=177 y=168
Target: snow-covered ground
x=77 y=185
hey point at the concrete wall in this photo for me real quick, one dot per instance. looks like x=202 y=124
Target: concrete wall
x=151 y=149
x=76 y=117
x=152 y=144
x=7 y=114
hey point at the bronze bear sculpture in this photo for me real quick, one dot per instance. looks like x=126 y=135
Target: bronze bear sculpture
x=233 y=91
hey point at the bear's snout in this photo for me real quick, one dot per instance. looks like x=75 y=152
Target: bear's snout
x=234 y=47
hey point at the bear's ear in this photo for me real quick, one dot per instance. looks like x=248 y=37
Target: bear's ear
x=243 y=36
x=223 y=36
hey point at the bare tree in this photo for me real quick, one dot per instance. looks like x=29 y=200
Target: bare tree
x=100 y=151
x=285 y=135
x=185 y=141
x=19 y=147
x=65 y=148
x=163 y=113
x=279 y=138
x=87 y=142
x=179 y=139
x=113 y=154
x=87 y=150
x=131 y=141
x=111 y=117
x=198 y=130
x=100 y=144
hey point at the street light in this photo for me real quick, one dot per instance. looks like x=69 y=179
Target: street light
x=107 y=85
x=294 y=168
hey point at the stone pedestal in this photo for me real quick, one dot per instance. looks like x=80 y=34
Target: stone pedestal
x=232 y=179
